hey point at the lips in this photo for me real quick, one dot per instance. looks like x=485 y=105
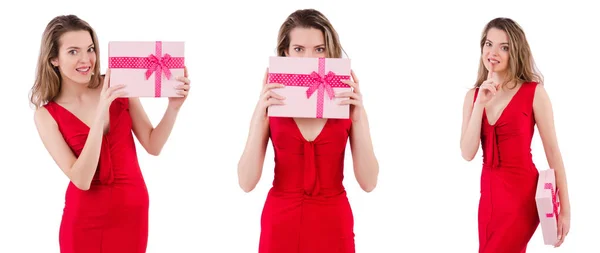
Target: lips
x=83 y=70
x=493 y=61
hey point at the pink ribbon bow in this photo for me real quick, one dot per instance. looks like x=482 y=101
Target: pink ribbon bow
x=555 y=203
x=159 y=65
x=321 y=83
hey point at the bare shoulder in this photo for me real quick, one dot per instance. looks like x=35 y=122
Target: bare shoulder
x=42 y=118
x=470 y=95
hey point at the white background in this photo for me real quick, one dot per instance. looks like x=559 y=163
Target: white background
x=415 y=62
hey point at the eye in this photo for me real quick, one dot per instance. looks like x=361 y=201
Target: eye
x=72 y=52
x=298 y=49
x=320 y=50
x=505 y=48
x=488 y=44
x=91 y=49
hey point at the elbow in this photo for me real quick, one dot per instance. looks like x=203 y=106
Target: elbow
x=81 y=185
x=247 y=187
x=153 y=151
x=368 y=187
x=468 y=156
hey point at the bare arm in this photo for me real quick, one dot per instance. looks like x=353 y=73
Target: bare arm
x=153 y=139
x=470 y=137
x=252 y=160
x=542 y=108
x=366 y=167
x=80 y=170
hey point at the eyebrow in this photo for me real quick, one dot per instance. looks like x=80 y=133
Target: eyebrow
x=296 y=45
x=73 y=47
x=503 y=43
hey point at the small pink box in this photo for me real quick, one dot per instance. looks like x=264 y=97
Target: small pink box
x=310 y=87
x=148 y=69
x=548 y=206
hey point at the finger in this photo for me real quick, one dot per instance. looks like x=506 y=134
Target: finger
x=348 y=95
x=353 y=85
x=185 y=87
x=106 y=80
x=185 y=72
x=491 y=71
x=274 y=101
x=266 y=78
x=183 y=79
x=560 y=231
x=116 y=95
x=182 y=92
x=270 y=86
x=354 y=78
x=350 y=102
x=270 y=94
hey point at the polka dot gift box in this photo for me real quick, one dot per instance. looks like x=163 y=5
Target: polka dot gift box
x=548 y=206
x=310 y=86
x=148 y=69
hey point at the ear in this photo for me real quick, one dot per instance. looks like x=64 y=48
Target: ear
x=287 y=52
x=54 y=62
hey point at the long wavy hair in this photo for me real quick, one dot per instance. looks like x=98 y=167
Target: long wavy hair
x=521 y=66
x=48 y=81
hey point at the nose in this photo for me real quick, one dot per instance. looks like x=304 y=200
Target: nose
x=85 y=58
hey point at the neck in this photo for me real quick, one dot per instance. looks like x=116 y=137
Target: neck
x=70 y=90
x=500 y=77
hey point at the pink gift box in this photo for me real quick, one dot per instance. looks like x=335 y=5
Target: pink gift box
x=548 y=206
x=310 y=87
x=148 y=69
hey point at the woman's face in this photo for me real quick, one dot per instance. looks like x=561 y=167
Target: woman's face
x=76 y=57
x=495 y=53
x=306 y=42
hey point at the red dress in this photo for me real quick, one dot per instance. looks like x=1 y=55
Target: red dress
x=507 y=212
x=306 y=210
x=112 y=216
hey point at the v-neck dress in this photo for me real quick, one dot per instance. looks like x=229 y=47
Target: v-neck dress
x=307 y=210
x=112 y=215
x=508 y=215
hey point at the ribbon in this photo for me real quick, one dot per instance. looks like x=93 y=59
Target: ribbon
x=156 y=64
x=318 y=82
x=555 y=203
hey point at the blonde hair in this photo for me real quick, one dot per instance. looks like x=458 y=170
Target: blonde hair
x=521 y=66
x=48 y=81
x=309 y=18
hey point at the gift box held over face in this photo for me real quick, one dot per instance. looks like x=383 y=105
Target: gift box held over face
x=147 y=69
x=310 y=87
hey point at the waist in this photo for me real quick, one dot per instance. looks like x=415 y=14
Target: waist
x=291 y=192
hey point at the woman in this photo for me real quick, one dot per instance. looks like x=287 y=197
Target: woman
x=307 y=212
x=87 y=128
x=501 y=111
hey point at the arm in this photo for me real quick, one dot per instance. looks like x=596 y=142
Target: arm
x=152 y=139
x=366 y=167
x=470 y=137
x=251 y=162
x=79 y=170
x=542 y=109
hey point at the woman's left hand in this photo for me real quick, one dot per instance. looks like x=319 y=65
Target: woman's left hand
x=182 y=89
x=354 y=98
x=563 y=225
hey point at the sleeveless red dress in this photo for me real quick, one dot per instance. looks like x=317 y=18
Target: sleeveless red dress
x=508 y=214
x=112 y=216
x=307 y=210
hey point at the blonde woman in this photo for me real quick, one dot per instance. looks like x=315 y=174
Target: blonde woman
x=87 y=129
x=307 y=209
x=500 y=112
